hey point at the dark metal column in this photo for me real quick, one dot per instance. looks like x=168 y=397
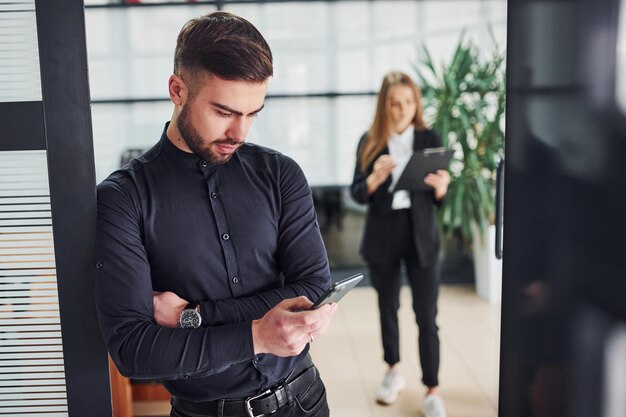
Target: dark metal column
x=69 y=143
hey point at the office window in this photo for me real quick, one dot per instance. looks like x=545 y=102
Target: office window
x=19 y=73
x=330 y=57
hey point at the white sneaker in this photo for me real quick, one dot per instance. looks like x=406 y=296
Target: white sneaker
x=433 y=406
x=392 y=384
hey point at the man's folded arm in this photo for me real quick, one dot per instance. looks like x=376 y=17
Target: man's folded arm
x=139 y=347
x=143 y=350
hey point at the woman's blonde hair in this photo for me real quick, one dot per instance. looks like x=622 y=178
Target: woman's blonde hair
x=380 y=131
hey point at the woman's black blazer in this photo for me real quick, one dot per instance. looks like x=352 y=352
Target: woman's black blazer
x=376 y=237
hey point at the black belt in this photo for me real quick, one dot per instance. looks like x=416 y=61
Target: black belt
x=266 y=402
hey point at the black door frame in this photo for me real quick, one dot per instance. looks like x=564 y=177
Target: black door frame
x=69 y=145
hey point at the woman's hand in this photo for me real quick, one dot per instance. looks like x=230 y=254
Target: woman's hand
x=382 y=169
x=439 y=181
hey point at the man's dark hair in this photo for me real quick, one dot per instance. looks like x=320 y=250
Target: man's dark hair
x=225 y=45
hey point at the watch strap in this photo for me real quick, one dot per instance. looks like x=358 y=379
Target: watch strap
x=192 y=306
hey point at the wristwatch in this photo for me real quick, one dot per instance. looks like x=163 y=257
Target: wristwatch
x=190 y=317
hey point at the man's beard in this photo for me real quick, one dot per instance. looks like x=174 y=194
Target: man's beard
x=193 y=140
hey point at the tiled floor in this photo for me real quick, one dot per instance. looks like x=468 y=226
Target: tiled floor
x=349 y=357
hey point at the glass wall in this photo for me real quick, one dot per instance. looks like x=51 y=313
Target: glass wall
x=329 y=60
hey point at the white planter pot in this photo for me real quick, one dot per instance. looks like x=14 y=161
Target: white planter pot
x=487 y=268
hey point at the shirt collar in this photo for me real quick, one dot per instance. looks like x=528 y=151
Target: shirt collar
x=405 y=138
x=189 y=160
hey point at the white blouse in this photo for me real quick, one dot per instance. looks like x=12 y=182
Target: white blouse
x=400 y=149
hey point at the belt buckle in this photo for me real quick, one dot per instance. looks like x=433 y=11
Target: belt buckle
x=252 y=398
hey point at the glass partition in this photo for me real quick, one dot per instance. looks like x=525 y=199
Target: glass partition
x=329 y=60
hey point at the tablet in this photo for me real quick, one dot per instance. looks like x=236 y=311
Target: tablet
x=337 y=291
x=421 y=164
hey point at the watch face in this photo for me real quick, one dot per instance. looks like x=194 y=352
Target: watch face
x=190 y=319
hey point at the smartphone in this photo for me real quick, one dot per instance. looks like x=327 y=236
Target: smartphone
x=337 y=291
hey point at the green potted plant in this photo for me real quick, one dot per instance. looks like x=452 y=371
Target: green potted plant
x=464 y=102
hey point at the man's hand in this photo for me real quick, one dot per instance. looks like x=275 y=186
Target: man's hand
x=287 y=328
x=439 y=181
x=167 y=308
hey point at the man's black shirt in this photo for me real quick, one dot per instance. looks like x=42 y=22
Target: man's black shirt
x=237 y=237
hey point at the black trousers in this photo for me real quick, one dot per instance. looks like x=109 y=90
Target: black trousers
x=424 y=282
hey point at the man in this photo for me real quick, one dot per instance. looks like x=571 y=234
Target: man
x=208 y=249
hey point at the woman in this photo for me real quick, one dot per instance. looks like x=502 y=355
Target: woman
x=400 y=226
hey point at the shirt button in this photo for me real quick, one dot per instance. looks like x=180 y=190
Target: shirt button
x=235 y=280
x=99 y=265
x=204 y=164
x=213 y=195
x=225 y=236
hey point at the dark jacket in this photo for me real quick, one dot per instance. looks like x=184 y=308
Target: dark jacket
x=376 y=238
